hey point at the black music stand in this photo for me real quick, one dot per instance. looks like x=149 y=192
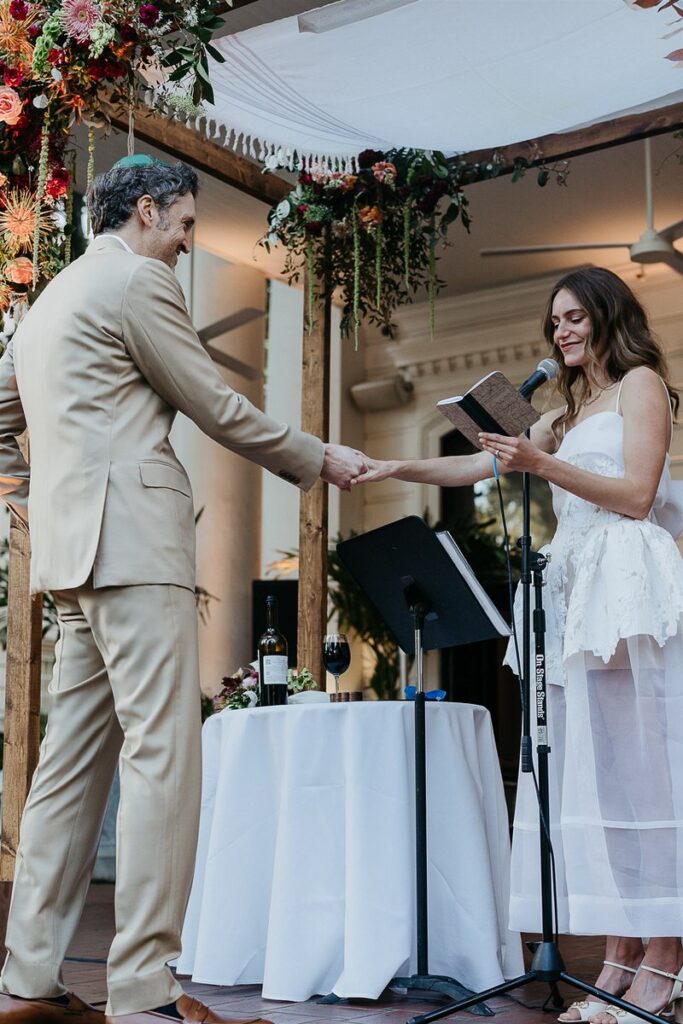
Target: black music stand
x=429 y=598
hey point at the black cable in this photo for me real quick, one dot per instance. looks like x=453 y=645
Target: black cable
x=520 y=679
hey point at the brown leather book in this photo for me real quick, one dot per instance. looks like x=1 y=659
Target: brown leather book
x=493 y=405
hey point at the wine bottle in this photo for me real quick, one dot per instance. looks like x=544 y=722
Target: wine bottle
x=272 y=659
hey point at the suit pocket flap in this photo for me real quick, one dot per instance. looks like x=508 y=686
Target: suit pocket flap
x=158 y=474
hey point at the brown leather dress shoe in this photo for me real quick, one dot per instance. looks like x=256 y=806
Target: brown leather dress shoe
x=14 y=1010
x=191 y=1011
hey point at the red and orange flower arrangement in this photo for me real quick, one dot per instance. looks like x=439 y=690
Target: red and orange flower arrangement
x=60 y=60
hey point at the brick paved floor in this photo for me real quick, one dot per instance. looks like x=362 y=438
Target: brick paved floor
x=85 y=973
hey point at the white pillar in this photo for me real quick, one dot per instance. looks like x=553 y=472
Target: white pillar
x=225 y=486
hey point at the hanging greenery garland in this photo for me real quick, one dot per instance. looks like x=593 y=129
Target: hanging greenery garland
x=386 y=220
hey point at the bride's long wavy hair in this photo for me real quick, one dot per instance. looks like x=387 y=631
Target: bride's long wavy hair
x=619 y=327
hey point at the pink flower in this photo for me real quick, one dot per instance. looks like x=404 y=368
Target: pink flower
x=384 y=172
x=10 y=106
x=79 y=17
x=149 y=15
x=19 y=271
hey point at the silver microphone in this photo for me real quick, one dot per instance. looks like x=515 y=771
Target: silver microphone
x=546 y=370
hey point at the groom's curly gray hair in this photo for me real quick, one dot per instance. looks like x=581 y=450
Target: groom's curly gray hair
x=112 y=197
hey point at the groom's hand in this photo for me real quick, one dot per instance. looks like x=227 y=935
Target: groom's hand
x=341 y=465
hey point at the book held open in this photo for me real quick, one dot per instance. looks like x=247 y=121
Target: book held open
x=493 y=405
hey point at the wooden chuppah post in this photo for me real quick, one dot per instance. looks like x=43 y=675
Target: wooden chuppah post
x=313 y=525
x=22 y=704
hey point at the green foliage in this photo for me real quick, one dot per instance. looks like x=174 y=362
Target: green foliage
x=373 y=234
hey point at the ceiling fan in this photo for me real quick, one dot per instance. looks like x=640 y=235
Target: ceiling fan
x=652 y=246
x=223 y=326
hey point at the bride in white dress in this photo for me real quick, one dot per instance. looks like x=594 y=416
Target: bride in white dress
x=614 y=605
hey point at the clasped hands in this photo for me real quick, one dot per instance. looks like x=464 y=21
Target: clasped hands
x=342 y=466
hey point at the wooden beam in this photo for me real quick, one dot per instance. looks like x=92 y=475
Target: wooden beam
x=564 y=145
x=22 y=694
x=220 y=161
x=313 y=531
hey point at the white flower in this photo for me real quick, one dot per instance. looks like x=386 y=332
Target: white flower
x=283 y=209
x=252 y=697
x=271 y=163
x=272 y=238
x=8 y=325
x=40 y=101
x=59 y=219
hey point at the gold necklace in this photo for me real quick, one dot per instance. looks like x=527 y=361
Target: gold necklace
x=600 y=392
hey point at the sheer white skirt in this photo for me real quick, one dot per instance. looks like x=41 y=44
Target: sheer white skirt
x=616 y=736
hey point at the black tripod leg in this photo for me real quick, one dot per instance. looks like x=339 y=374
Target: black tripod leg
x=554 y=998
x=465 y=1004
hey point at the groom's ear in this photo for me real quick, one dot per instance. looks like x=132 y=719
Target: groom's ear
x=145 y=210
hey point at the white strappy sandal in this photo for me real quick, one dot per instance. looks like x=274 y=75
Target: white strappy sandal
x=589 y=1007
x=673 y=1009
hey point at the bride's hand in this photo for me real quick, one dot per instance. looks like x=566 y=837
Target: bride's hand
x=515 y=453
x=375 y=469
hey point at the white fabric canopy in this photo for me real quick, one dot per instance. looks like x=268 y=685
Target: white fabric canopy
x=454 y=75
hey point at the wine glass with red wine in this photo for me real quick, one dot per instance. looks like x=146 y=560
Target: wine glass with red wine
x=336 y=656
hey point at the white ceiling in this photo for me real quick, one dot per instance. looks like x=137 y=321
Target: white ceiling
x=603 y=201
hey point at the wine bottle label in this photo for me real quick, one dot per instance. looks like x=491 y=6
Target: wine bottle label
x=275 y=670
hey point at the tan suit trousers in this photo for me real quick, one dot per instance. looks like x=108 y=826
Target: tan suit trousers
x=125 y=688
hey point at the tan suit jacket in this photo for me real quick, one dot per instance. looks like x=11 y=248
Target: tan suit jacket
x=97 y=370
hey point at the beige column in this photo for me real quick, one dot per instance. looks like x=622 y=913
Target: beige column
x=226 y=487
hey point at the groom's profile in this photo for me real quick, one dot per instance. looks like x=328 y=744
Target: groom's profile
x=96 y=371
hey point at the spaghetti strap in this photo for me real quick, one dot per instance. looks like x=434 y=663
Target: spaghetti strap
x=668 y=400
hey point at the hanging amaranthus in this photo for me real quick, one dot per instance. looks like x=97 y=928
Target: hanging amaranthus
x=40 y=192
x=432 y=283
x=69 y=210
x=310 y=277
x=406 y=243
x=378 y=267
x=356 y=273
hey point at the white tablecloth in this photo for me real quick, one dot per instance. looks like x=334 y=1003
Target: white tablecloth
x=305 y=876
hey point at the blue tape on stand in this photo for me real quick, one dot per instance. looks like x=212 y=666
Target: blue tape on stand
x=409 y=694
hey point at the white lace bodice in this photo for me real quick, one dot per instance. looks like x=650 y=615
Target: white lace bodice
x=609 y=576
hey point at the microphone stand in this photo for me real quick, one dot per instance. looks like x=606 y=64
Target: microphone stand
x=547 y=964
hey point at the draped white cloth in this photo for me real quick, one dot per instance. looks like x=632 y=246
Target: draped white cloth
x=614 y=605
x=305 y=875
x=453 y=75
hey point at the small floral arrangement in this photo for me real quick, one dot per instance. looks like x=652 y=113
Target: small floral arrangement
x=60 y=60
x=240 y=690
x=374 y=233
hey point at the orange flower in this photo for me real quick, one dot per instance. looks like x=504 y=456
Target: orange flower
x=18 y=220
x=19 y=271
x=10 y=105
x=14 y=41
x=370 y=216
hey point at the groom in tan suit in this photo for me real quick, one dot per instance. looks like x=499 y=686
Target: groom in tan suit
x=97 y=371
